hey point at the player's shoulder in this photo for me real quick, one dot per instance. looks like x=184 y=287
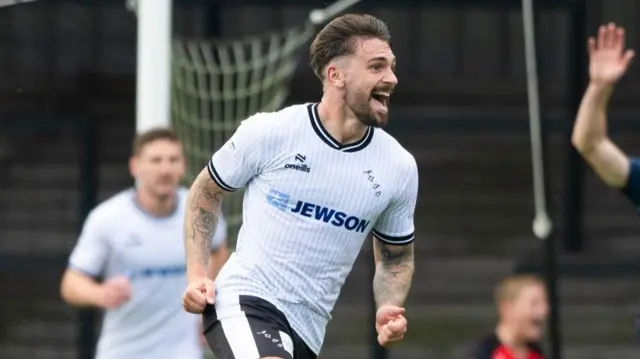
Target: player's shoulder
x=115 y=206
x=275 y=123
x=393 y=148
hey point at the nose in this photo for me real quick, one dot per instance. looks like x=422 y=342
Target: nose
x=391 y=78
x=165 y=167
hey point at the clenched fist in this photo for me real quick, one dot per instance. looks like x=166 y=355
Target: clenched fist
x=199 y=293
x=391 y=324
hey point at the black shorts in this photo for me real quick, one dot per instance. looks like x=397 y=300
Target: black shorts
x=253 y=329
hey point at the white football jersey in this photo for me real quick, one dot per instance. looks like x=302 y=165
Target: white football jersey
x=309 y=205
x=120 y=238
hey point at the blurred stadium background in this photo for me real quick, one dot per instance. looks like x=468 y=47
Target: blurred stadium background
x=68 y=74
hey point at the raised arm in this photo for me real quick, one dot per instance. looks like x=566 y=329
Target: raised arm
x=608 y=63
x=201 y=221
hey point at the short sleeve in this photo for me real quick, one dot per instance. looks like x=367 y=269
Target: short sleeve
x=395 y=225
x=220 y=234
x=91 y=252
x=238 y=160
x=632 y=188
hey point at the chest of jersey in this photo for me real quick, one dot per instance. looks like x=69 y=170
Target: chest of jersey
x=346 y=190
x=150 y=248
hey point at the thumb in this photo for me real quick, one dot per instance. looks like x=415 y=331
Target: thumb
x=387 y=313
x=393 y=311
x=210 y=291
x=627 y=57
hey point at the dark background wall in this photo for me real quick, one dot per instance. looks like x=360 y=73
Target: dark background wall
x=67 y=99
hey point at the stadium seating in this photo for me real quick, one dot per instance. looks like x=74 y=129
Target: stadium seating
x=39 y=216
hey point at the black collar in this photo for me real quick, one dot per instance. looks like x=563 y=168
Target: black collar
x=332 y=142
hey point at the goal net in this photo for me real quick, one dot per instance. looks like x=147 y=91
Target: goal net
x=217 y=84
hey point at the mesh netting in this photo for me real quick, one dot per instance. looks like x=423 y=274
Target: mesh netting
x=217 y=84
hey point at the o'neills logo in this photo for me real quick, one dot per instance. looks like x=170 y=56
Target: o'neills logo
x=302 y=168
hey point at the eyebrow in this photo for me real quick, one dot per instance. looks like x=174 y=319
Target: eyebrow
x=381 y=58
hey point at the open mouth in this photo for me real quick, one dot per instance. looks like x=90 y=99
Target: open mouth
x=538 y=323
x=381 y=97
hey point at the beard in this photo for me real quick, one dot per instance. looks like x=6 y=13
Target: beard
x=359 y=103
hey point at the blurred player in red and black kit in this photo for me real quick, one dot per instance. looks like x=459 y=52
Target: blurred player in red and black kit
x=522 y=306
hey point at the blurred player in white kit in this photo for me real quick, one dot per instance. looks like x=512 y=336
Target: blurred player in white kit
x=134 y=240
x=319 y=179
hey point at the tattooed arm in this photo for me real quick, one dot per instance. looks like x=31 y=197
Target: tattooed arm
x=204 y=206
x=393 y=243
x=394 y=272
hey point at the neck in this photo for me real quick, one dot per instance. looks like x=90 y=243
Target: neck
x=156 y=206
x=341 y=123
x=508 y=337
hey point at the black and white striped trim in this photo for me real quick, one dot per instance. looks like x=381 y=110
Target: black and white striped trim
x=216 y=178
x=398 y=241
x=332 y=142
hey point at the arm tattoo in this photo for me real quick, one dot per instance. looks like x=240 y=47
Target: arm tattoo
x=205 y=225
x=202 y=219
x=394 y=272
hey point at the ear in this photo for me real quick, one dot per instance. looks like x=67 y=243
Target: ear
x=503 y=309
x=335 y=75
x=133 y=166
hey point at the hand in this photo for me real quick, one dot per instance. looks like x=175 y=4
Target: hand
x=114 y=292
x=199 y=293
x=391 y=324
x=608 y=58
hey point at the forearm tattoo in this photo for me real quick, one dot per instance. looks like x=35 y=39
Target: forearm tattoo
x=394 y=273
x=204 y=209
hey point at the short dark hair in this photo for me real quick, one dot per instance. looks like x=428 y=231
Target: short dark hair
x=340 y=37
x=144 y=138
